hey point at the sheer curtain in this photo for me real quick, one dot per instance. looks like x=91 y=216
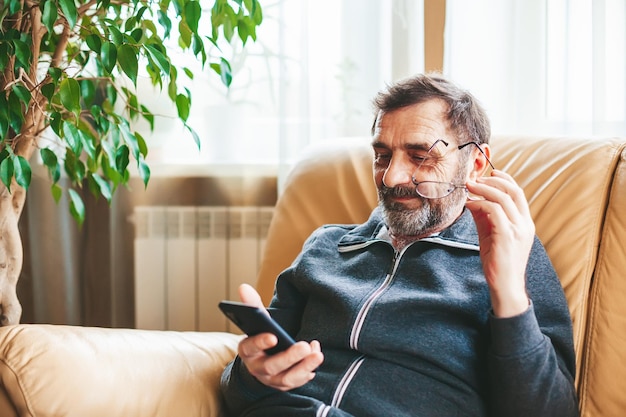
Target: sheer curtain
x=542 y=66
x=310 y=76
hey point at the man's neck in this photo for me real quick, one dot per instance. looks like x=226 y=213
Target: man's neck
x=399 y=242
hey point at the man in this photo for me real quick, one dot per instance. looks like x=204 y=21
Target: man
x=444 y=303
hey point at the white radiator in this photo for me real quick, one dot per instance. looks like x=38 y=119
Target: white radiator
x=187 y=259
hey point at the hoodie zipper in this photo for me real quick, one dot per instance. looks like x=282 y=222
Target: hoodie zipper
x=356 y=330
x=345 y=381
x=360 y=318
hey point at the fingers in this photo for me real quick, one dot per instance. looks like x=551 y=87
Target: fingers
x=510 y=202
x=250 y=296
x=253 y=346
x=286 y=370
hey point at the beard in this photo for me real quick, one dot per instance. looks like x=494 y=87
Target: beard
x=430 y=217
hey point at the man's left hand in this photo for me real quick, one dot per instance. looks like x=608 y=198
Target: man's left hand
x=506 y=232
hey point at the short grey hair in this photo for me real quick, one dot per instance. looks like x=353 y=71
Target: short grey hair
x=465 y=115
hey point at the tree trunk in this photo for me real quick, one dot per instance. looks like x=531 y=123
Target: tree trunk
x=23 y=144
x=11 y=255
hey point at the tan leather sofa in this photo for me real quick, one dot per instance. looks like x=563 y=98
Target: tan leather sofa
x=577 y=193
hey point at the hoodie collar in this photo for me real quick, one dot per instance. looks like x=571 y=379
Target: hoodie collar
x=461 y=234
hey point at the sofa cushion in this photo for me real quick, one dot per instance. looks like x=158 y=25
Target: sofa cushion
x=76 y=371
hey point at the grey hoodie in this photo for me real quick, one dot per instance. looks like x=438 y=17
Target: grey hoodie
x=412 y=333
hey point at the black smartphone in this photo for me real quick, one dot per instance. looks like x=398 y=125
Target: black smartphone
x=252 y=321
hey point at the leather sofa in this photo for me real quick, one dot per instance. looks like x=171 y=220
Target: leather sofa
x=577 y=194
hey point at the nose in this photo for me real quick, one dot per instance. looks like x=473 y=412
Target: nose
x=397 y=173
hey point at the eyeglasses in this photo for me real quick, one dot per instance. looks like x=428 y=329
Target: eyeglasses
x=439 y=189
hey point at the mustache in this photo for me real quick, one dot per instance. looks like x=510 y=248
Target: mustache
x=397 y=191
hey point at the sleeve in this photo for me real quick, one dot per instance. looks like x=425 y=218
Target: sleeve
x=531 y=357
x=239 y=388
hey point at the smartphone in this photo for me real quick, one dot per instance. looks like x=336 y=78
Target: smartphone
x=253 y=320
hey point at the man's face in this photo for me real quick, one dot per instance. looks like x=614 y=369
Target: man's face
x=401 y=140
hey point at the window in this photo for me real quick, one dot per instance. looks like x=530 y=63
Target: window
x=542 y=66
x=310 y=76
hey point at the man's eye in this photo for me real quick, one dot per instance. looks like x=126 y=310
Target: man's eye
x=419 y=157
x=382 y=158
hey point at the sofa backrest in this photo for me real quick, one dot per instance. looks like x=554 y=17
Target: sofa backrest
x=576 y=188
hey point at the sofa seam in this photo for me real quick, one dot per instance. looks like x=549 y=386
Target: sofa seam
x=22 y=390
x=588 y=338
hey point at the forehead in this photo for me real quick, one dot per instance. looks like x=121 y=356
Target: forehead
x=415 y=125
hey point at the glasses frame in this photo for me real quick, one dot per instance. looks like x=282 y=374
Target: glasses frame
x=452 y=187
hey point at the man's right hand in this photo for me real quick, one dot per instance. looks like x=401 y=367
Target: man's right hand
x=285 y=370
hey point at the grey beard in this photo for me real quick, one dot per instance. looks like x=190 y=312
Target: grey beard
x=429 y=218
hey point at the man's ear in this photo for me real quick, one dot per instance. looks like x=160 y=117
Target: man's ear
x=479 y=164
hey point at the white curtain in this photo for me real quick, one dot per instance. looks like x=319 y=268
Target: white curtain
x=310 y=76
x=542 y=66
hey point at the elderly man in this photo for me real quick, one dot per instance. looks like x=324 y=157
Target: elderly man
x=443 y=303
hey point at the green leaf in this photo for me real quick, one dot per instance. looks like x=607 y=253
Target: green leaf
x=108 y=56
x=172 y=89
x=69 y=93
x=194 y=135
x=55 y=73
x=122 y=158
x=6 y=172
x=22 y=171
x=144 y=171
x=77 y=207
x=148 y=115
x=49 y=15
x=198 y=48
x=57 y=192
x=16 y=115
x=103 y=186
x=183 y=105
x=137 y=35
x=22 y=93
x=48 y=91
x=88 y=91
x=184 y=35
x=127 y=57
x=4 y=56
x=257 y=12
x=131 y=140
x=88 y=142
x=72 y=137
x=225 y=72
x=178 y=6
x=111 y=93
x=94 y=43
x=165 y=23
x=116 y=35
x=110 y=172
x=50 y=160
x=160 y=60
x=14 y=6
x=192 y=13
x=141 y=142
x=22 y=53
x=56 y=122
x=69 y=11
x=74 y=166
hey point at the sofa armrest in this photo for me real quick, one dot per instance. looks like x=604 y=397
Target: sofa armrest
x=51 y=370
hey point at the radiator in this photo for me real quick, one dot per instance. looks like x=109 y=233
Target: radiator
x=187 y=259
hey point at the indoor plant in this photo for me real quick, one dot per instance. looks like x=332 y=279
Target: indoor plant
x=68 y=72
